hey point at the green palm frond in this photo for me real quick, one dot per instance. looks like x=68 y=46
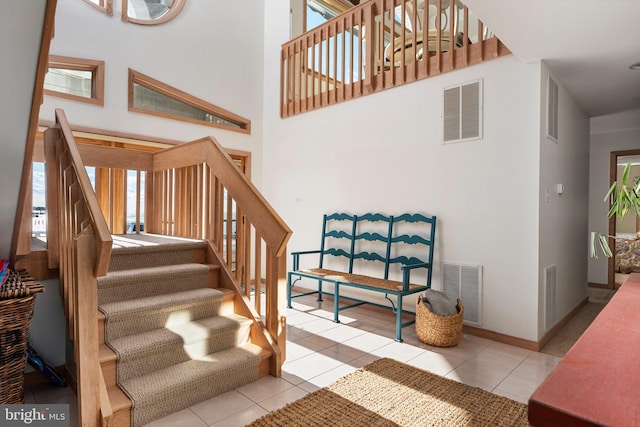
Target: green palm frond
x=624 y=198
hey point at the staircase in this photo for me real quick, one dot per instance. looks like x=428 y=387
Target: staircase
x=169 y=335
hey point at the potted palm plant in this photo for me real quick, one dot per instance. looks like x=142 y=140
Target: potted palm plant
x=624 y=198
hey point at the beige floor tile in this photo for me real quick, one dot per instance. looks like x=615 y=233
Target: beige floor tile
x=184 y=418
x=221 y=407
x=264 y=388
x=242 y=418
x=368 y=342
x=435 y=363
x=331 y=376
x=470 y=372
x=280 y=399
x=343 y=353
x=310 y=366
x=518 y=386
x=398 y=351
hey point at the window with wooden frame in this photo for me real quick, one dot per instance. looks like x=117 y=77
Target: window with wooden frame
x=150 y=12
x=76 y=79
x=150 y=96
x=104 y=6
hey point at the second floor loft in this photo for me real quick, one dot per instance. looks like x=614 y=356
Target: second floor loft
x=376 y=45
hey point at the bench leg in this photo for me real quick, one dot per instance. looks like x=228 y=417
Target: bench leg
x=336 y=305
x=319 y=291
x=399 y=320
x=289 y=286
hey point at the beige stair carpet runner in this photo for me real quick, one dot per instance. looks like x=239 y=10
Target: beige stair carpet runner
x=174 y=348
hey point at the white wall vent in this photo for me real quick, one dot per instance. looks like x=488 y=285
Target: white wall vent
x=550 y=274
x=552 y=110
x=464 y=282
x=462 y=112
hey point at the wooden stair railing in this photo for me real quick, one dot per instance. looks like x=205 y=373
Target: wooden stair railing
x=371 y=47
x=193 y=190
x=82 y=254
x=196 y=190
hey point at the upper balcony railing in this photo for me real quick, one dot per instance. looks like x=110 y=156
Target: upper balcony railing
x=378 y=45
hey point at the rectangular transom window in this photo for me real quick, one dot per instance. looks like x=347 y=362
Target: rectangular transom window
x=150 y=96
x=76 y=79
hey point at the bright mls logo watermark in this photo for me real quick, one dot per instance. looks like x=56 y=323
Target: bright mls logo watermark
x=34 y=415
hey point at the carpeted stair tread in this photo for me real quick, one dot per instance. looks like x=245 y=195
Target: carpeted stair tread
x=179 y=386
x=159 y=311
x=143 y=353
x=133 y=251
x=153 y=242
x=171 y=339
x=148 y=281
x=159 y=301
x=180 y=335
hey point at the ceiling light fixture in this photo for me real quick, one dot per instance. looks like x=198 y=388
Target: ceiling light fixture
x=635 y=66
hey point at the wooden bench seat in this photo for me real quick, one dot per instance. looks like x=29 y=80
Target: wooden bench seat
x=391 y=255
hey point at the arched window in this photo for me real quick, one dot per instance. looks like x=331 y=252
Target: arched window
x=150 y=12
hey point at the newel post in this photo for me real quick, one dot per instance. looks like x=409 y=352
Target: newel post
x=276 y=318
x=86 y=331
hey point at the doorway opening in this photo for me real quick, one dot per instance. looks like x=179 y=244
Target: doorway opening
x=626 y=247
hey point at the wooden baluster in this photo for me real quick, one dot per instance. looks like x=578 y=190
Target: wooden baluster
x=481 y=40
x=465 y=36
x=403 y=41
x=425 y=38
x=343 y=87
x=351 y=56
x=360 y=53
x=313 y=70
x=414 y=27
x=335 y=61
x=258 y=272
x=453 y=19
x=369 y=54
x=439 y=35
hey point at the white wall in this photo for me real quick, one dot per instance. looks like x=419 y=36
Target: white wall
x=563 y=217
x=609 y=133
x=20 y=34
x=383 y=153
x=211 y=50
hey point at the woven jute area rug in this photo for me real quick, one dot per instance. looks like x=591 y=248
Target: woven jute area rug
x=389 y=393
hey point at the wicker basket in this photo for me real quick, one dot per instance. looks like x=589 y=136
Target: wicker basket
x=440 y=331
x=17 y=298
x=15 y=317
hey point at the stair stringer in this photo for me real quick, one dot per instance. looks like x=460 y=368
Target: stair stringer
x=260 y=336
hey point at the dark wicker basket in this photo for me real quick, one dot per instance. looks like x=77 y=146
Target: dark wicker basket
x=15 y=318
x=17 y=298
x=440 y=331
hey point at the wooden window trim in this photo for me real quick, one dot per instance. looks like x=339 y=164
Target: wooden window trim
x=105 y=6
x=163 y=88
x=174 y=10
x=97 y=80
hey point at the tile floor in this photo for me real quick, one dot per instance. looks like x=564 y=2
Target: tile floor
x=320 y=351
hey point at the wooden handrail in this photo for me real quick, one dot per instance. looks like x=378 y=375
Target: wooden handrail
x=80 y=246
x=378 y=45
x=104 y=241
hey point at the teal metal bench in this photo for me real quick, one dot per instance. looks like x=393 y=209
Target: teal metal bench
x=364 y=252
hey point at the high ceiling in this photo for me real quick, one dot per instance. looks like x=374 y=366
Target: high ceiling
x=587 y=44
